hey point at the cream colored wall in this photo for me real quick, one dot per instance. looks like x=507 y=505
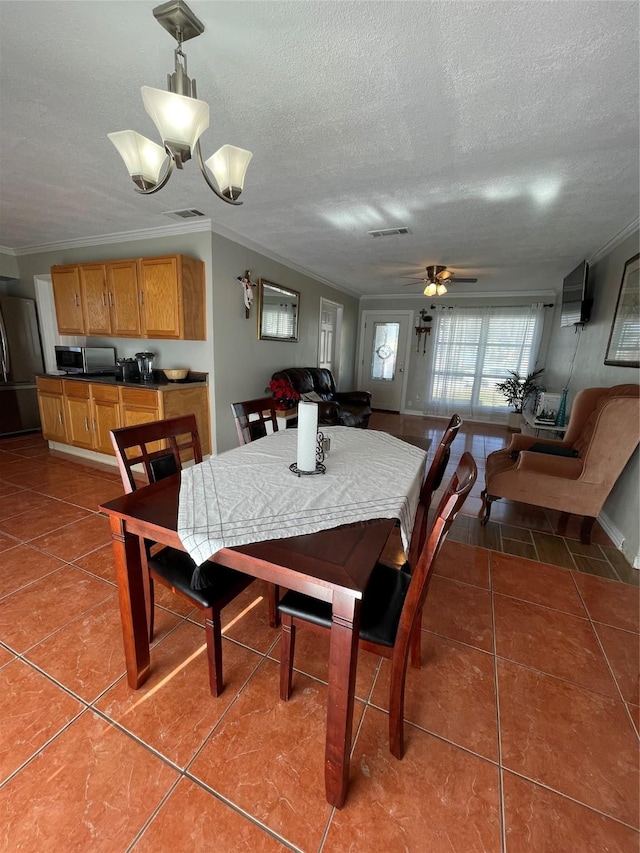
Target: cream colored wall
x=622 y=508
x=238 y=364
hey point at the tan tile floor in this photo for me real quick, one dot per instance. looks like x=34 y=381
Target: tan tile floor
x=522 y=722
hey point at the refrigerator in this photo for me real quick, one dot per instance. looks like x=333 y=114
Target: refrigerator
x=20 y=360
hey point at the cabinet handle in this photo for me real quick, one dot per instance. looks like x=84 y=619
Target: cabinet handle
x=111 y=299
x=94 y=425
x=104 y=298
x=76 y=300
x=141 y=297
x=60 y=418
x=86 y=424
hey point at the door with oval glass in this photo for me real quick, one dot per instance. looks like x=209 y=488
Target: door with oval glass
x=384 y=355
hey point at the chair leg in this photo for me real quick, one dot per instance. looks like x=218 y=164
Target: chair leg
x=585 y=529
x=396 y=705
x=487 y=500
x=562 y=523
x=287 y=650
x=273 y=592
x=213 y=630
x=150 y=604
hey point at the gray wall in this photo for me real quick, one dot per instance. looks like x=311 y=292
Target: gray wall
x=239 y=365
x=622 y=508
x=8 y=266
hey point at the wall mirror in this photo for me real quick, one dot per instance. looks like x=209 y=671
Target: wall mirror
x=623 y=348
x=278 y=309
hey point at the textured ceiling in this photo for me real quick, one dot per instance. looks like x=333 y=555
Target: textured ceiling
x=505 y=135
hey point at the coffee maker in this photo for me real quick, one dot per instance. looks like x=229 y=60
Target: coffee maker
x=145 y=365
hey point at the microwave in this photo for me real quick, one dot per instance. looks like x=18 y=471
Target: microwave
x=86 y=359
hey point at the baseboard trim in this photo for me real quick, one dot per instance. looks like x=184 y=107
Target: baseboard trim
x=89 y=455
x=613 y=532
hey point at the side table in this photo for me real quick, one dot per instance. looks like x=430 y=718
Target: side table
x=529 y=419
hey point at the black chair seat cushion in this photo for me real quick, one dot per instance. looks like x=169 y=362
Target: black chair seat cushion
x=381 y=606
x=176 y=568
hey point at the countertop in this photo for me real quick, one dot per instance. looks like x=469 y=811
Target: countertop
x=160 y=383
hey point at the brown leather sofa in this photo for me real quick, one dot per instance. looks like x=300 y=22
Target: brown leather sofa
x=346 y=408
x=603 y=432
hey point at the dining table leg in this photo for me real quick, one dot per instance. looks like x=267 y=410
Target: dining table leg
x=343 y=661
x=131 y=597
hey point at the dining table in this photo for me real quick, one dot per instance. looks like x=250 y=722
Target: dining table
x=319 y=534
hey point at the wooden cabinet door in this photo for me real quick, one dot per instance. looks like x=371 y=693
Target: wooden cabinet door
x=79 y=426
x=97 y=320
x=67 y=296
x=106 y=416
x=124 y=296
x=161 y=305
x=52 y=417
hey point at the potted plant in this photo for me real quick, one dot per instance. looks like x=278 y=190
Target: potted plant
x=284 y=393
x=517 y=390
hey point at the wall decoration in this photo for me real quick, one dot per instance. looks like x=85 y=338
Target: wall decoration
x=278 y=309
x=247 y=286
x=623 y=349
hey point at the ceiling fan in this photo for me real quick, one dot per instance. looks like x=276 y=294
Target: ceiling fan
x=436 y=275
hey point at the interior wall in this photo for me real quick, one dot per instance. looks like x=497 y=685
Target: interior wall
x=244 y=364
x=238 y=364
x=622 y=508
x=8 y=266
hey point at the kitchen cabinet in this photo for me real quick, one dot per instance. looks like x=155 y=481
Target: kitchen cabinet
x=67 y=292
x=51 y=405
x=82 y=413
x=172 y=303
x=161 y=297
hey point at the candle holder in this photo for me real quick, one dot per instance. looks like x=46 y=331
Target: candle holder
x=320 y=469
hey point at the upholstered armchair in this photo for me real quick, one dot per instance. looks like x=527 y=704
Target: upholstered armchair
x=574 y=475
x=346 y=408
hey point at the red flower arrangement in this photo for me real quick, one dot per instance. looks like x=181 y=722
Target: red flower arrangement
x=284 y=392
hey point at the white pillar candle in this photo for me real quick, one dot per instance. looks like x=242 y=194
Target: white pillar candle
x=307 y=429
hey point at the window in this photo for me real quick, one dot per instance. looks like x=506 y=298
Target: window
x=385 y=351
x=473 y=350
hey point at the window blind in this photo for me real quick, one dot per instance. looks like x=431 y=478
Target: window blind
x=474 y=348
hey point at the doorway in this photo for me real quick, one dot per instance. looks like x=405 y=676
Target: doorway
x=329 y=336
x=384 y=357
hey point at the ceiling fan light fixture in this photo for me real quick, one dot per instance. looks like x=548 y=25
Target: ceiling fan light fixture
x=441 y=289
x=430 y=289
x=180 y=119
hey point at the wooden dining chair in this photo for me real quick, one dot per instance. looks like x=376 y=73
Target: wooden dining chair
x=391 y=605
x=160 y=448
x=393 y=554
x=252 y=417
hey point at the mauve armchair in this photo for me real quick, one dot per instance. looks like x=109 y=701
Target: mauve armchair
x=603 y=432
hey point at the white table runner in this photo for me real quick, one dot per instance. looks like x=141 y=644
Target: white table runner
x=249 y=495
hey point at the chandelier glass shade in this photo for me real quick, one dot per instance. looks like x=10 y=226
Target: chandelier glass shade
x=180 y=119
x=435 y=289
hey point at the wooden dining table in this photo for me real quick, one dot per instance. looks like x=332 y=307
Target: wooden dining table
x=332 y=565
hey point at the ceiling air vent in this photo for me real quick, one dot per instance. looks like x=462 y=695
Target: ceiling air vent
x=387 y=232
x=190 y=213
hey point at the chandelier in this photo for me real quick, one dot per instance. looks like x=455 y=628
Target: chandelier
x=435 y=276
x=180 y=118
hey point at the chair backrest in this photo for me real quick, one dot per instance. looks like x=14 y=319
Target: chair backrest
x=431 y=484
x=251 y=418
x=458 y=488
x=160 y=447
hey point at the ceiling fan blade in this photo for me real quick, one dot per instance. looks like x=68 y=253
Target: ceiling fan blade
x=445 y=274
x=415 y=281
x=455 y=279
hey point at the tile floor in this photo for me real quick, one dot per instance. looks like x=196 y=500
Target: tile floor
x=522 y=724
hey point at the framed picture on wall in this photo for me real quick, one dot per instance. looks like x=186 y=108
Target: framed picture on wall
x=623 y=349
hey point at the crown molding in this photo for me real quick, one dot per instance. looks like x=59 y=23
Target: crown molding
x=201 y=225
x=5 y=250
x=533 y=295
x=614 y=242
x=118 y=237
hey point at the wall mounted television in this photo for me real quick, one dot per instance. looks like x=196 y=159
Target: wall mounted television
x=576 y=300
